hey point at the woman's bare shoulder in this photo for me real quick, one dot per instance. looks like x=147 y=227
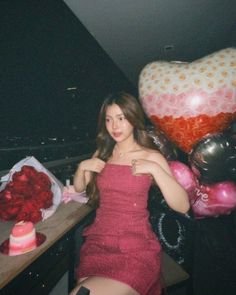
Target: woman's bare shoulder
x=156 y=156
x=152 y=154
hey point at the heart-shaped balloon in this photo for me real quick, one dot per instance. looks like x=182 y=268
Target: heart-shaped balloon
x=214 y=200
x=213 y=158
x=184 y=176
x=189 y=100
x=206 y=200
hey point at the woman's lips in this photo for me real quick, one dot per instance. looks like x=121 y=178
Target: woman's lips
x=116 y=134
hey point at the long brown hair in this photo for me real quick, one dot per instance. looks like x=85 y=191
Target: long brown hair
x=133 y=112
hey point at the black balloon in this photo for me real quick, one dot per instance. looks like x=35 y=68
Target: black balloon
x=163 y=144
x=213 y=158
x=231 y=161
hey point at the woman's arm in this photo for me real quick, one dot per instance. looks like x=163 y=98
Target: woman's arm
x=174 y=194
x=84 y=172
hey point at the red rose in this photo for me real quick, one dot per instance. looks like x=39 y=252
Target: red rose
x=30 y=205
x=13 y=211
x=22 y=216
x=29 y=171
x=46 y=199
x=43 y=179
x=8 y=211
x=20 y=187
x=6 y=195
x=36 y=216
x=25 y=195
x=19 y=176
x=18 y=200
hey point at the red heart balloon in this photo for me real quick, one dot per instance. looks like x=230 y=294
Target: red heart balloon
x=189 y=100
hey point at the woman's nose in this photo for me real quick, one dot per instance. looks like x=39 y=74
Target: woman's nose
x=114 y=125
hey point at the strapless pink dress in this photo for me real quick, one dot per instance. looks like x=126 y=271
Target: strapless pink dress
x=120 y=244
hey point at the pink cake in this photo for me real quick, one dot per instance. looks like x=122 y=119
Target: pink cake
x=22 y=238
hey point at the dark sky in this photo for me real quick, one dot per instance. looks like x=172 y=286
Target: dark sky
x=40 y=52
x=44 y=50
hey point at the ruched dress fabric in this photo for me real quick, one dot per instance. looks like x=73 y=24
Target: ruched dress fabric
x=120 y=244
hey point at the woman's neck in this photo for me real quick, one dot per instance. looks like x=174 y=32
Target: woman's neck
x=122 y=149
x=126 y=145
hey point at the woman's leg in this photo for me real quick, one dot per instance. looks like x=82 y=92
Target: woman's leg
x=104 y=286
x=81 y=280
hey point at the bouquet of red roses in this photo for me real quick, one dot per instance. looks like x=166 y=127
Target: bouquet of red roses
x=26 y=195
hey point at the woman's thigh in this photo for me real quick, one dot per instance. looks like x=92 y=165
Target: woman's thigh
x=105 y=286
x=81 y=280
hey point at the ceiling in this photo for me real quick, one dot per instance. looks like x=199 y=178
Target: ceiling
x=137 y=32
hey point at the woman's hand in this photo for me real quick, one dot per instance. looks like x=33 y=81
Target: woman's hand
x=142 y=166
x=84 y=172
x=92 y=165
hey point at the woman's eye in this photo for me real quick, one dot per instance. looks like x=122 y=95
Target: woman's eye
x=122 y=118
x=107 y=120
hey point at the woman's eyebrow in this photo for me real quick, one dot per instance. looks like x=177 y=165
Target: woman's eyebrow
x=118 y=115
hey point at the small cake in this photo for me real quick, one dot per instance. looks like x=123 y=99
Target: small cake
x=22 y=238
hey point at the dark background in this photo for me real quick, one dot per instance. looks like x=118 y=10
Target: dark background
x=44 y=51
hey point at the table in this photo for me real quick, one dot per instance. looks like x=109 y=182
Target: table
x=37 y=272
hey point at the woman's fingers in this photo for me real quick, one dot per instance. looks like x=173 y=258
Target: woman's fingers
x=98 y=165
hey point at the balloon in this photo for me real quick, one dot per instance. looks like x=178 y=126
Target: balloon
x=212 y=159
x=190 y=100
x=183 y=175
x=214 y=200
x=163 y=144
x=231 y=161
x=231 y=166
x=206 y=200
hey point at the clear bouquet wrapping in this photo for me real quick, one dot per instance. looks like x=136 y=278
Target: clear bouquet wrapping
x=29 y=192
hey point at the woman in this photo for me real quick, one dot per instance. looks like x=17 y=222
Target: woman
x=121 y=254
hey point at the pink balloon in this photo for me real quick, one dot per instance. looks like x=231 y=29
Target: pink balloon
x=213 y=200
x=223 y=194
x=184 y=175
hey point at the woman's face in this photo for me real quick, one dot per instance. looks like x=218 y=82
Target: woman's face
x=117 y=125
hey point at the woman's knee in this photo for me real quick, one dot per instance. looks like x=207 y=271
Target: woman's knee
x=106 y=286
x=79 y=281
x=78 y=286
